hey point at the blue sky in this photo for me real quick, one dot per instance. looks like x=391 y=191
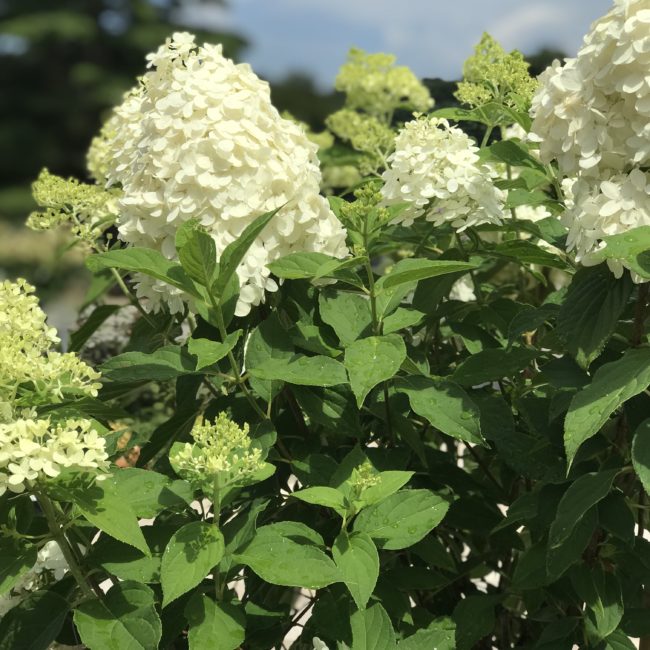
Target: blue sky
x=430 y=36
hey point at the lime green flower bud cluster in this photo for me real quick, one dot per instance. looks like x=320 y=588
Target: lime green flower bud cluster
x=87 y=209
x=222 y=453
x=365 y=213
x=375 y=85
x=364 y=476
x=99 y=153
x=366 y=134
x=492 y=75
x=30 y=371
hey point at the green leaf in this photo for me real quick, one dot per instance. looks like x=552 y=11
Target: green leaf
x=322 y=496
x=149 y=493
x=402 y=519
x=332 y=267
x=489 y=365
x=515 y=154
x=268 y=340
x=301 y=370
x=276 y=558
x=126 y=562
x=402 y=318
x=601 y=592
x=372 y=360
x=16 y=558
x=474 y=618
x=198 y=257
x=632 y=246
x=124 y=618
x=619 y=640
x=165 y=363
x=641 y=453
x=419 y=269
x=528 y=253
x=557 y=635
x=209 y=352
x=147 y=261
x=358 y=561
x=299 y=266
x=520 y=196
x=560 y=558
x=372 y=629
x=590 y=311
x=445 y=405
x=192 y=552
x=530 y=571
x=218 y=626
x=613 y=384
x=34 y=623
x=530 y=319
x=234 y=253
x=584 y=493
x=348 y=314
x=440 y=634
x=91 y=324
x=389 y=482
x=103 y=505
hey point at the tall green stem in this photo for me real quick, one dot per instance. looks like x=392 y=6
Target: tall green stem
x=216 y=511
x=68 y=553
x=376 y=325
x=234 y=365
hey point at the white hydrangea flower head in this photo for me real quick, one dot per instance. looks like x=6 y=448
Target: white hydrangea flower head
x=593 y=112
x=609 y=207
x=435 y=170
x=25 y=350
x=199 y=138
x=35 y=449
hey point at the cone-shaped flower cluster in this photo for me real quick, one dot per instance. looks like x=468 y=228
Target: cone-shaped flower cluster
x=592 y=115
x=199 y=138
x=436 y=171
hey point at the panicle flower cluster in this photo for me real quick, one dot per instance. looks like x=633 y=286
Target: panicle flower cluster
x=366 y=134
x=33 y=449
x=605 y=208
x=199 y=138
x=374 y=84
x=26 y=355
x=50 y=567
x=592 y=115
x=222 y=452
x=436 y=171
x=492 y=75
x=86 y=209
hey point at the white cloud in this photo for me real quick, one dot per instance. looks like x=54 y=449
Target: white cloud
x=517 y=26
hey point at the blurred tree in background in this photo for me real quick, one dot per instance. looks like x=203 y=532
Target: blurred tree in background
x=63 y=64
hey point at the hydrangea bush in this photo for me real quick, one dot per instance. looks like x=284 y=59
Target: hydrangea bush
x=412 y=415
